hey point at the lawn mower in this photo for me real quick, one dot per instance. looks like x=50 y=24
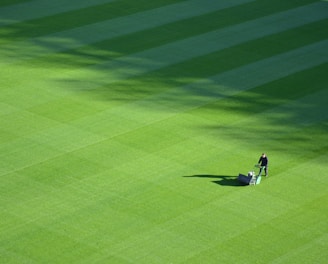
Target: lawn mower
x=251 y=178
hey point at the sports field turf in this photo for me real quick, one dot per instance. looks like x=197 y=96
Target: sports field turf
x=124 y=125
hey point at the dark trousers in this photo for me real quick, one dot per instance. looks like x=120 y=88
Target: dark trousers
x=265 y=168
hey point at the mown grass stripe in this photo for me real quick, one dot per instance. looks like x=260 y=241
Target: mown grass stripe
x=236 y=56
x=92 y=33
x=158 y=36
x=161 y=35
x=176 y=52
x=246 y=10
x=11 y=2
x=231 y=82
x=182 y=73
x=77 y=18
x=40 y=8
x=211 y=64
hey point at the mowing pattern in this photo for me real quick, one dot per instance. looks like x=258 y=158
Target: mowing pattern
x=123 y=126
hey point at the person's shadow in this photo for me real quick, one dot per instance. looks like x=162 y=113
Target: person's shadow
x=224 y=180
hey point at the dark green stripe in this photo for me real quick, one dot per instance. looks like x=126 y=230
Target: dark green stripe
x=4 y=3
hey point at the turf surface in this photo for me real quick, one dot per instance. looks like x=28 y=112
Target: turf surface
x=124 y=124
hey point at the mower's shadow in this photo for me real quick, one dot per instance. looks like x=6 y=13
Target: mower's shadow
x=224 y=180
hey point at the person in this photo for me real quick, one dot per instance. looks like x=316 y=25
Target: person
x=263 y=163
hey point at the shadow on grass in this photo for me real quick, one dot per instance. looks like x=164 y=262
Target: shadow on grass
x=224 y=180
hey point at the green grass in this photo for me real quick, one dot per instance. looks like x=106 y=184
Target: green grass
x=124 y=125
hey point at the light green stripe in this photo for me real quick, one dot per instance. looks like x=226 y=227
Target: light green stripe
x=41 y=8
x=92 y=33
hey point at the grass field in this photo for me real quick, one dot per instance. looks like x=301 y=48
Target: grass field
x=124 y=125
